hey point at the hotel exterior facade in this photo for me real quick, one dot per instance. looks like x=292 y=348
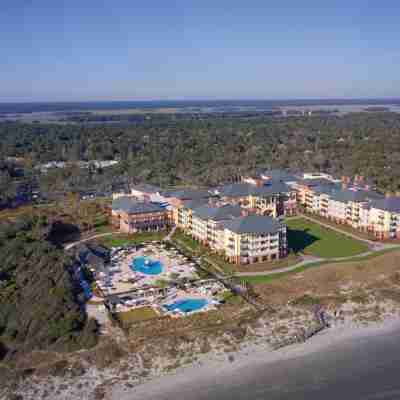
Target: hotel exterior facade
x=243 y=221
x=365 y=210
x=131 y=216
x=230 y=231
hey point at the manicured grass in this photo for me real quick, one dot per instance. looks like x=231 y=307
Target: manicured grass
x=137 y=315
x=136 y=238
x=288 y=261
x=311 y=238
x=343 y=227
x=268 y=278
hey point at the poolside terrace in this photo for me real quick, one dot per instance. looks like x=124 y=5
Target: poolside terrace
x=173 y=289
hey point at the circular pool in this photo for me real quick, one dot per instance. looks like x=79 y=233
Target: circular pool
x=147 y=266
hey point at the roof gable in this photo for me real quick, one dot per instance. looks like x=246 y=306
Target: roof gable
x=131 y=206
x=253 y=224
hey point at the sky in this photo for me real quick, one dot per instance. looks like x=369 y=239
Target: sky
x=70 y=50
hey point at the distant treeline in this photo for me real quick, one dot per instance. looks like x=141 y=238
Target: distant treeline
x=170 y=150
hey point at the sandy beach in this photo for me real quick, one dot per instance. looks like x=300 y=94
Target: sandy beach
x=227 y=376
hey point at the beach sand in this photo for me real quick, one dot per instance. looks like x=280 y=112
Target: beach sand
x=220 y=377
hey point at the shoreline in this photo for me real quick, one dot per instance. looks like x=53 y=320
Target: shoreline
x=212 y=368
x=164 y=369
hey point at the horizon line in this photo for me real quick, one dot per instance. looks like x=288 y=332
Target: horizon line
x=201 y=100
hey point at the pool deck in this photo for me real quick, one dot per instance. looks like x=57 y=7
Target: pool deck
x=171 y=264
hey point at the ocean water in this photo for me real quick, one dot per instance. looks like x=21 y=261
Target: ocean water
x=365 y=368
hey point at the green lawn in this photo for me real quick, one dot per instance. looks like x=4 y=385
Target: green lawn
x=136 y=238
x=311 y=238
x=267 y=278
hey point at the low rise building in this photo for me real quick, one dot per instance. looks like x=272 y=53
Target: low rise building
x=384 y=218
x=177 y=199
x=146 y=192
x=130 y=216
x=207 y=223
x=254 y=238
x=275 y=199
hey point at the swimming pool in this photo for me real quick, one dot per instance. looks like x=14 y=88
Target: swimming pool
x=147 y=266
x=187 y=305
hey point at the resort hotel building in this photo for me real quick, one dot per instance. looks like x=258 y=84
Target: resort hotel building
x=233 y=232
x=353 y=204
x=243 y=220
x=130 y=216
x=239 y=221
x=254 y=238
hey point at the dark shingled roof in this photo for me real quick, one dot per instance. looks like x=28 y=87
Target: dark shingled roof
x=391 y=204
x=346 y=195
x=256 y=224
x=316 y=182
x=246 y=189
x=146 y=188
x=192 y=204
x=131 y=206
x=236 y=190
x=188 y=194
x=280 y=175
x=327 y=189
x=354 y=195
x=223 y=213
x=272 y=187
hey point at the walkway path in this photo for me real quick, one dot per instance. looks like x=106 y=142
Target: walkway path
x=306 y=260
x=88 y=239
x=169 y=236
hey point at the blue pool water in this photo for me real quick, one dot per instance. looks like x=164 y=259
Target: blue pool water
x=187 y=305
x=146 y=266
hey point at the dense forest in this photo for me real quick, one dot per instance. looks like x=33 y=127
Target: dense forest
x=204 y=151
x=39 y=301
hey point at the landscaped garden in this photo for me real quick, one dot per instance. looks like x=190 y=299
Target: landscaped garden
x=311 y=238
x=197 y=249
